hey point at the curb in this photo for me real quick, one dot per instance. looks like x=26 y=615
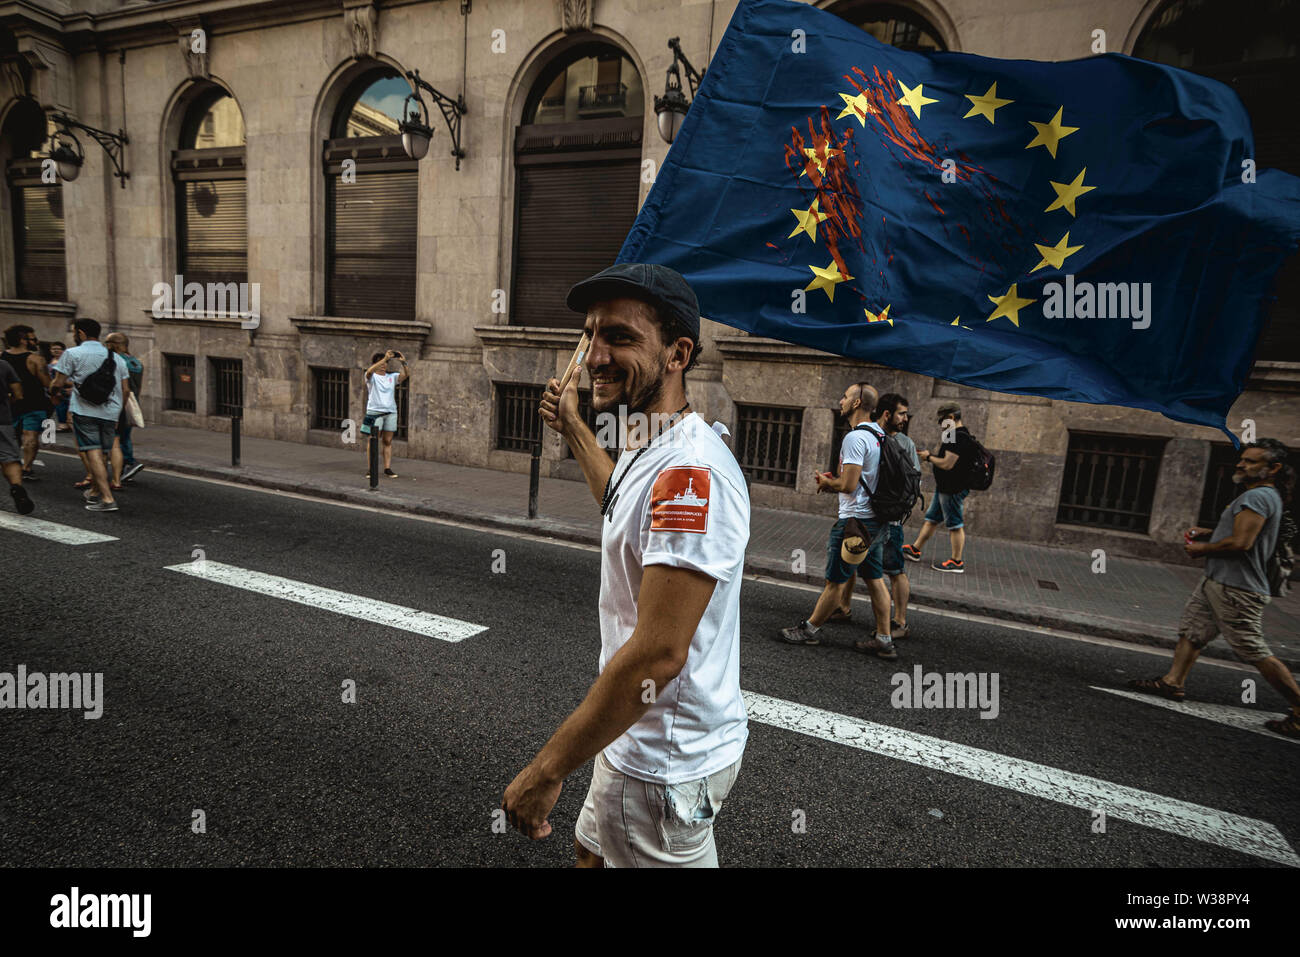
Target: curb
x=1064 y=621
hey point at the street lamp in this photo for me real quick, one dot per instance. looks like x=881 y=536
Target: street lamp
x=672 y=106
x=414 y=127
x=68 y=155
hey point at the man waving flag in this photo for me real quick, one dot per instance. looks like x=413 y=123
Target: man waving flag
x=1092 y=230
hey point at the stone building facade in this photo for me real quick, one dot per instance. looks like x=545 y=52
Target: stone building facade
x=457 y=251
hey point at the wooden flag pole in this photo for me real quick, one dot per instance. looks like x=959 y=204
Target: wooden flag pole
x=579 y=354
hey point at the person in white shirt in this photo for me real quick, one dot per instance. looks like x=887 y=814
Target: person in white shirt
x=381 y=403
x=665 y=720
x=859 y=468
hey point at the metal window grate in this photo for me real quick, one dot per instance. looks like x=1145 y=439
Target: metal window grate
x=228 y=386
x=180 y=376
x=767 y=443
x=837 y=440
x=1110 y=481
x=403 y=410
x=1219 y=488
x=330 y=391
x=519 y=427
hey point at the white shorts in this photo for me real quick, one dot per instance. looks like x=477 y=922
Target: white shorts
x=635 y=823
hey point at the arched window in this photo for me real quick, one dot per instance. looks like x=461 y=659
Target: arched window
x=891 y=23
x=211 y=192
x=577 y=178
x=370 y=203
x=36 y=206
x=1258 y=55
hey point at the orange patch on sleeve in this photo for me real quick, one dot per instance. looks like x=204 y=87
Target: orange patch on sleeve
x=679 y=501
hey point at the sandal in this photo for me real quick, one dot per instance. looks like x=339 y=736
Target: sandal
x=84 y=483
x=1157 y=686
x=1288 y=727
x=116 y=486
x=839 y=615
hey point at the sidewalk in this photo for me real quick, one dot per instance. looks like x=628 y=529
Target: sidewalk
x=1136 y=601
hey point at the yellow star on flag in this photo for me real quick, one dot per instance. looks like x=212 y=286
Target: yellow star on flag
x=1067 y=194
x=1050 y=134
x=955 y=321
x=915 y=97
x=819 y=160
x=1054 y=256
x=1009 y=305
x=986 y=104
x=882 y=317
x=856 y=106
x=826 y=279
x=808 y=220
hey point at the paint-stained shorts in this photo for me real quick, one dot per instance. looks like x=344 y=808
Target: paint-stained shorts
x=1236 y=613
x=635 y=823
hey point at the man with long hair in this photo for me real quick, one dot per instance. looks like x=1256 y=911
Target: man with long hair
x=1230 y=599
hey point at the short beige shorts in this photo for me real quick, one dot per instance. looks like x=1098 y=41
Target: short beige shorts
x=1236 y=613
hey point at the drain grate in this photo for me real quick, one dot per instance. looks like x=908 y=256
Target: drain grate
x=1050 y=586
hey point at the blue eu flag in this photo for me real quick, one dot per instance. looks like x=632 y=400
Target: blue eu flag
x=1092 y=230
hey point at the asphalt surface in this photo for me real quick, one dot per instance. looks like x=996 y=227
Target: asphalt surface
x=231 y=702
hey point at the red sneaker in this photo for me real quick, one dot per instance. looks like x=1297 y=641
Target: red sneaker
x=950 y=565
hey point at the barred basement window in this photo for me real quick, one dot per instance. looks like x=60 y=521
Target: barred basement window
x=767 y=443
x=227 y=386
x=403 y=409
x=837 y=441
x=519 y=427
x=330 y=391
x=1219 y=488
x=180 y=377
x=1110 y=481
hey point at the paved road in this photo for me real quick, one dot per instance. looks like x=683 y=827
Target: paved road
x=229 y=700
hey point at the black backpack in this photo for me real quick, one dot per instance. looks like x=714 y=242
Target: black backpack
x=979 y=471
x=97 y=387
x=898 y=483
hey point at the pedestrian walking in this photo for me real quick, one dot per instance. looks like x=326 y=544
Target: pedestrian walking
x=51 y=351
x=1231 y=598
x=22 y=353
x=125 y=467
x=858 y=476
x=892 y=416
x=11 y=459
x=951 y=488
x=100 y=387
x=381 y=402
x=665 y=720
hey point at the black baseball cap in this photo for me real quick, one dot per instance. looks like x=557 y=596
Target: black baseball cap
x=649 y=282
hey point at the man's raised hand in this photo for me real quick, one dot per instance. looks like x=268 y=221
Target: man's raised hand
x=559 y=405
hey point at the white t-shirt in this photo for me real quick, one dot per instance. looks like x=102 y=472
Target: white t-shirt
x=684 y=503
x=382 y=395
x=860 y=449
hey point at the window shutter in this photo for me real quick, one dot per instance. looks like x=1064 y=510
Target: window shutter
x=571 y=219
x=371 y=237
x=214 y=231
x=39 y=265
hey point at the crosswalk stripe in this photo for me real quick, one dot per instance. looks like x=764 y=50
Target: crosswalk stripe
x=342 y=603
x=1195 y=821
x=1246 y=719
x=52 y=531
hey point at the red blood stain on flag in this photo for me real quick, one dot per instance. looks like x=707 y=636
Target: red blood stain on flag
x=679 y=500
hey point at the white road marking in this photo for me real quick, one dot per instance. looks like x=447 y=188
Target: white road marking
x=341 y=603
x=1195 y=821
x=1248 y=719
x=752 y=576
x=63 y=534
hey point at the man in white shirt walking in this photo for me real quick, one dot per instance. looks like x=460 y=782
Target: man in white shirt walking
x=381 y=403
x=665 y=720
